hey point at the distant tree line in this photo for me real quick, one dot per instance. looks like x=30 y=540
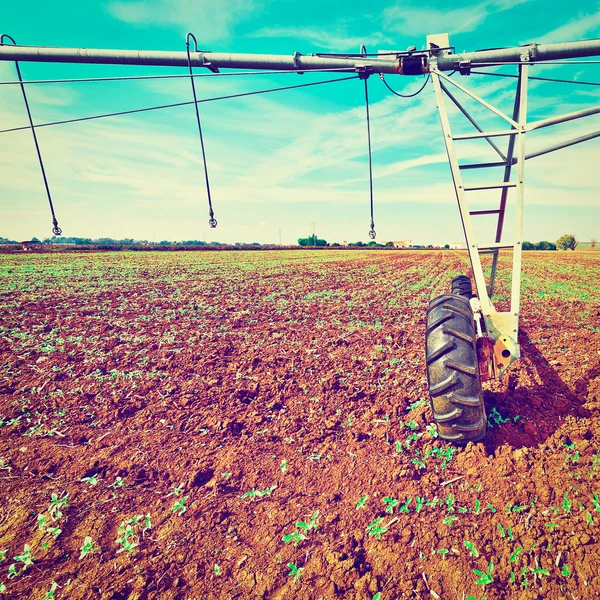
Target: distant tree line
x=539 y=246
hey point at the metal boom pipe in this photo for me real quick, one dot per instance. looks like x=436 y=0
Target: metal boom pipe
x=296 y=61
x=201 y=59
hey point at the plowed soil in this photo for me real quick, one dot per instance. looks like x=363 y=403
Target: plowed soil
x=256 y=425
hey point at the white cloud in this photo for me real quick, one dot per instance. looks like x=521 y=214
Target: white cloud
x=583 y=25
x=209 y=21
x=335 y=38
x=420 y=20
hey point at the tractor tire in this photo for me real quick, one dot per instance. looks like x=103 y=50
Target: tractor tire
x=453 y=371
x=461 y=285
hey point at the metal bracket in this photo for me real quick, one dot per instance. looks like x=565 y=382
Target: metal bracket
x=296 y=58
x=464 y=67
x=364 y=71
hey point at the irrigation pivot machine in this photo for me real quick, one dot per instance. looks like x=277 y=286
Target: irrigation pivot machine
x=468 y=340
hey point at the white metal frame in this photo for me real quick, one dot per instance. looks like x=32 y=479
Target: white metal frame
x=500 y=328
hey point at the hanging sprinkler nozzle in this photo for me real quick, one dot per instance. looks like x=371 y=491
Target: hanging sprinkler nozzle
x=212 y=222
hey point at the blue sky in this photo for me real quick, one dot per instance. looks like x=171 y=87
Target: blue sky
x=280 y=161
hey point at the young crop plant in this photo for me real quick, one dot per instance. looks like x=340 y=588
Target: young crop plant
x=294 y=571
x=217 y=569
x=87 y=547
x=485 y=577
x=56 y=505
x=50 y=593
x=362 y=501
x=128 y=538
x=25 y=557
x=391 y=504
x=253 y=493
x=179 y=507
x=471 y=548
x=93 y=480
x=514 y=557
x=376 y=529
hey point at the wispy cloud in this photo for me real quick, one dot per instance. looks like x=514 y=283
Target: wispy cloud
x=583 y=25
x=334 y=38
x=209 y=21
x=420 y=20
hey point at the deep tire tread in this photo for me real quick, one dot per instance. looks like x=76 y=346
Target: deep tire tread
x=452 y=367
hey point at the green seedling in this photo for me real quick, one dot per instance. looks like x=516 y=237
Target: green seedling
x=312 y=524
x=514 y=557
x=391 y=504
x=540 y=571
x=54 y=531
x=477 y=507
x=127 y=540
x=147 y=523
x=176 y=491
x=377 y=596
x=491 y=507
x=3 y=554
x=50 y=593
x=450 y=520
x=449 y=502
x=118 y=482
x=12 y=571
x=552 y=526
x=565 y=570
x=485 y=578
x=295 y=537
x=56 y=504
x=404 y=508
x=589 y=518
x=474 y=598
x=566 y=504
x=2 y=588
x=376 y=529
x=362 y=501
x=398 y=446
x=257 y=493
x=179 y=506
x=471 y=548
x=419 y=503
x=217 y=569
x=87 y=547
x=294 y=571
x=596 y=502
x=93 y=480
x=42 y=521
x=25 y=558
x=284 y=466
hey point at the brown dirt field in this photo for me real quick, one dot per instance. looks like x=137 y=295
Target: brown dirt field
x=189 y=411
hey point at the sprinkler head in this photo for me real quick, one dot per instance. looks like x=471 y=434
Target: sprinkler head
x=372 y=234
x=212 y=222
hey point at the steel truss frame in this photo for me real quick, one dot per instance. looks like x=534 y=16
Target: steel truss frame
x=497 y=330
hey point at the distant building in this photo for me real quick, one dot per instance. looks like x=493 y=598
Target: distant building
x=458 y=246
x=402 y=244
x=29 y=245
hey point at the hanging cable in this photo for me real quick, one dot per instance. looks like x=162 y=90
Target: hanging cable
x=177 y=104
x=405 y=95
x=196 y=75
x=364 y=75
x=211 y=221
x=56 y=230
x=551 y=79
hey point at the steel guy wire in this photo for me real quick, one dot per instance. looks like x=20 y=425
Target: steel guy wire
x=195 y=75
x=177 y=104
x=537 y=78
